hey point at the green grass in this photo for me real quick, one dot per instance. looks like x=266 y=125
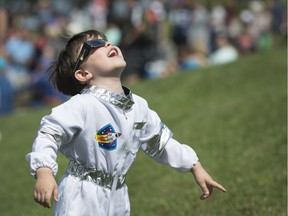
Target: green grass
x=234 y=116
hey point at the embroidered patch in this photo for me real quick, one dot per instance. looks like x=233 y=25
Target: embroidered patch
x=107 y=137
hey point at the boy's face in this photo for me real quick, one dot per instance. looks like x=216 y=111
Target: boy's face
x=105 y=61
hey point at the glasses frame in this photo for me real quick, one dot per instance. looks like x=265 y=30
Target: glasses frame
x=86 y=49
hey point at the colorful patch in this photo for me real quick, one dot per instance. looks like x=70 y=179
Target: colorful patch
x=107 y=137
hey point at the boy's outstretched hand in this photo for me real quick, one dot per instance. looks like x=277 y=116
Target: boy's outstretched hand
x=205 y=181
x=45 y=187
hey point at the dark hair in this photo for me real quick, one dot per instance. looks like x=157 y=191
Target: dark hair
x=61 y=71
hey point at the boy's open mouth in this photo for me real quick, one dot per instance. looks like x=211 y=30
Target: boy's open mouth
x=112 y=53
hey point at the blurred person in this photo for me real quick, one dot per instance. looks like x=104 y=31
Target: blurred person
x=246 y=16
x=279 y=21
x=43 y=93
x=233 y=23
x=137 y=44
x=6 y=90
x=192 y=58
x=6 y=93
x=21 y=51
x=163 y=62
x=234 y=30
x=44 y=10
x=138 y=49
x=3 y=24
x=259 y=28
x=231 y=11
x=246 y=43
x=156 y=69
x=98 y=10
x=198 y=30
x=179 y=19
x=119 y=12
x=100 y=130
x=80 y=20
x=155 y=18
x=225 y=52
x=278 y=13
x=217 y=23
x=265 y=40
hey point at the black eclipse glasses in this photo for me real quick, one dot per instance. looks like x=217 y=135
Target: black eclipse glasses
x=85 y=51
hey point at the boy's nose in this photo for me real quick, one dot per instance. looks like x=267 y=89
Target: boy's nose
x=108 y=43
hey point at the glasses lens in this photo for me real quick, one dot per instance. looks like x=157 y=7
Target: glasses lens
x=96 y=43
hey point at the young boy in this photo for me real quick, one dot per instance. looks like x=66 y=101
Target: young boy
x=100 y=130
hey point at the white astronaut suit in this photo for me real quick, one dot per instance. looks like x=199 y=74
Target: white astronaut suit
x=100 y=133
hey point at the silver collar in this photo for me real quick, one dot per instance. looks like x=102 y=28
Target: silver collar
x=124 y=102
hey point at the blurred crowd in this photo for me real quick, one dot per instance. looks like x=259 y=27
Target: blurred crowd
x=157 y=38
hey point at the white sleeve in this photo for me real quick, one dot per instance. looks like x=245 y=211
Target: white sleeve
x=178 y=156
x=55 y=130
x=159 y=144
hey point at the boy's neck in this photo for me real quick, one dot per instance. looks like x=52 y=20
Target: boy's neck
x=108 y=83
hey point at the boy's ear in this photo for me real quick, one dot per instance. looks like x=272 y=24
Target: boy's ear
x=82 y=76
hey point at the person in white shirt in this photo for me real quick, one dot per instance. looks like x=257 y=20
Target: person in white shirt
x=225 y=52
x=100 y=130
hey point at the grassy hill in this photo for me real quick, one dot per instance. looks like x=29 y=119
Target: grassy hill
x=234 y=116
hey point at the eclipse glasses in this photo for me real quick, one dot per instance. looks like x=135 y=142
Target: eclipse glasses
x=85 y=51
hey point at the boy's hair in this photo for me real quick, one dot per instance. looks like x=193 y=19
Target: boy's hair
x=61 y=71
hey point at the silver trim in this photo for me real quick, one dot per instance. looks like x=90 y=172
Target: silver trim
x=100 y=178
x=124 y=102
x=156 y=144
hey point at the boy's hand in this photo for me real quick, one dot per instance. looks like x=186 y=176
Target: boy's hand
x=205 y=181
x=45 y=187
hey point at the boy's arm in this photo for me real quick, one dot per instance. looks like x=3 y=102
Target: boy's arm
x=181 y=157
x=45 y=187
x=205 y=181
x=159 y=144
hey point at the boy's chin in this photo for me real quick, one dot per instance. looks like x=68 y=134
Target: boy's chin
x=123 y=65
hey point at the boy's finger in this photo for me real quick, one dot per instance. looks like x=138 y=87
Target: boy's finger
x=47 y=202
x=46 y=205
x=35 y=195
x=204 y=196
x=205 y=190
x=55 y=195
x=219 y=187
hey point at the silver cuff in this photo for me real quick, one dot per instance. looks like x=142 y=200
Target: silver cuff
x=156 y=144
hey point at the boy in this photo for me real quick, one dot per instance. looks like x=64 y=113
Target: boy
x=100 y=129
